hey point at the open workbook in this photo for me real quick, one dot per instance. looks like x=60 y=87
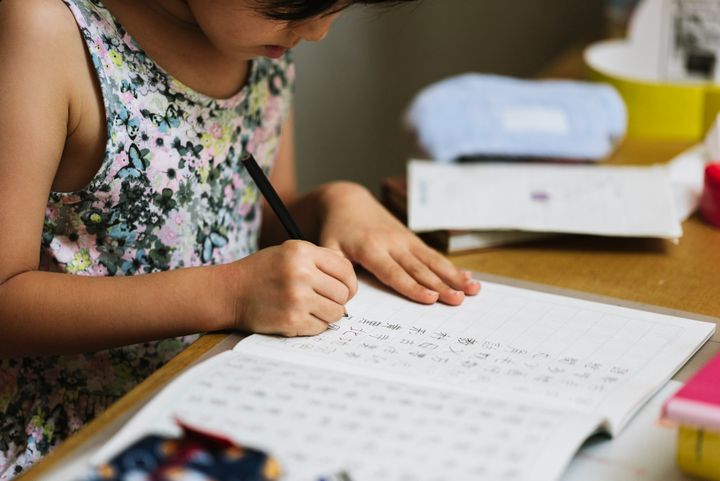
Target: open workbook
x=505 y=387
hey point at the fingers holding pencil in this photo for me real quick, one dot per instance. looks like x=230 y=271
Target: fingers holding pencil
x=295 y=289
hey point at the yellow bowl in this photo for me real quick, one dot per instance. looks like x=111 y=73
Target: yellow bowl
x=656 y=110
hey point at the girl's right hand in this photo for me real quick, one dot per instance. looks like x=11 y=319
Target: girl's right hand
x=294 y=289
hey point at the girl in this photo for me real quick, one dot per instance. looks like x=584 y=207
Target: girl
x=121 y=126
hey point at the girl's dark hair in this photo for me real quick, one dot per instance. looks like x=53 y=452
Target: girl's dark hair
x=304 y=9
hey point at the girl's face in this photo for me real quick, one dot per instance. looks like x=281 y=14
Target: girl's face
x=238 y=30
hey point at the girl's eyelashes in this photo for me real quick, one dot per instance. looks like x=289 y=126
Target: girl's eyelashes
x=299 y=10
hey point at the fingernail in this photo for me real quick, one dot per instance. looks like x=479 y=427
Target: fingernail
x=432 y=293
x=457 y=293
x=468 y=275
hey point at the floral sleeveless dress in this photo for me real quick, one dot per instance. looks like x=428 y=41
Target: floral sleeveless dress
x=170 y=193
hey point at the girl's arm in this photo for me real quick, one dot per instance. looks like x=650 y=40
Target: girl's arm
x=344 y=216
x=42 y=312
x=293 y=289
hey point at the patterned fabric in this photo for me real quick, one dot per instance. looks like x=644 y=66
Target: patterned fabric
x=170 y=193
x=191 y=457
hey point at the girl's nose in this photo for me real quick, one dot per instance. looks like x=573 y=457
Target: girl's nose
x=314 y=29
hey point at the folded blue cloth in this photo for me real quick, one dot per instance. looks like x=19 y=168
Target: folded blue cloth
x=475 y=115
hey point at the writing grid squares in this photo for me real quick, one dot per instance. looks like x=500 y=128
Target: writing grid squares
x=497 y=341
x=313 y=419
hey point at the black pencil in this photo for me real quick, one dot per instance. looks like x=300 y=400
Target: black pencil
x=272 y=198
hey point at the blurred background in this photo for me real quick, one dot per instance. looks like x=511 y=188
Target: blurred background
x=353 y=88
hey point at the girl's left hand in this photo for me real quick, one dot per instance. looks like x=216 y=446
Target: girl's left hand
x=367 y=234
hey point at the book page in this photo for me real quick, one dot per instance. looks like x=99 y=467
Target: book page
x=580 y=199
x=553 y=349
x=645 y=450
x=318 y=421
x=466 y=240
x=506 y=386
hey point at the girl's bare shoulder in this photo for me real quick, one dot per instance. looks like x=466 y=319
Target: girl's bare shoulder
x=43 y=79
x=44 y=30
x=36 y=20
x=41 y=44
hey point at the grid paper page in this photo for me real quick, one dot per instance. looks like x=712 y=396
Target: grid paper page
x=403 y=391
x=552 y=348
x=318 y=421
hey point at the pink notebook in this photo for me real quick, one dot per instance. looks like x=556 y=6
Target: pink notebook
x=698 y=402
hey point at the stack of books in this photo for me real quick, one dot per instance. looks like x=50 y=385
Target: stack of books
x=696 y=409
x=393 y=195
